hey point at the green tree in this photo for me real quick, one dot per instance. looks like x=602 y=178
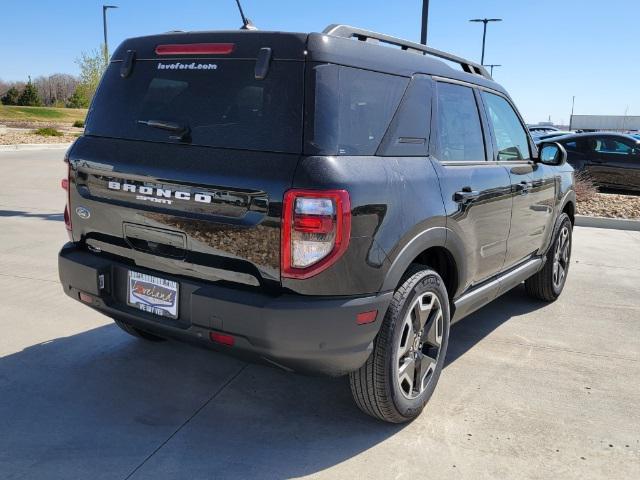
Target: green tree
x=11 y=97
x=79 y=98
x=29 y=96
x=92 y=65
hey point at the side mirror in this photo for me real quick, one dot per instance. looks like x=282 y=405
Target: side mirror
x=552 y=153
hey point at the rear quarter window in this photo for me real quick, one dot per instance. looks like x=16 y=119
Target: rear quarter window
x=352 y=109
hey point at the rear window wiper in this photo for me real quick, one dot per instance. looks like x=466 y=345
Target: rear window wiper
x=182 y=131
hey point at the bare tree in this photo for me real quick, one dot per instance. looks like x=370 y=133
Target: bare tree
x=6 y=85
x=56 y=89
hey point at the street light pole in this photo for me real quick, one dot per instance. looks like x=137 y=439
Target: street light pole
x=485 y=21
x=104 y=25
x=425 y=21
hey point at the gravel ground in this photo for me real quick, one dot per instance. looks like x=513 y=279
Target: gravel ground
x=610 y=205
x=17 y=137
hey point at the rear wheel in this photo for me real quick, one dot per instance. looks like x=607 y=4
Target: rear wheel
x=401 y=374
x=136 y=332
x=549 y=282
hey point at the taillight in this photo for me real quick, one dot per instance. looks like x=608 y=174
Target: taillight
x=316 y=226
x=195 y=49
x=65 y=184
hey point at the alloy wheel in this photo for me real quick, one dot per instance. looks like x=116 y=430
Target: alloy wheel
x=420 y=345
x=561 y=257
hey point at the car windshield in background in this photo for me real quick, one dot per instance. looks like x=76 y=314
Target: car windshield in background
x=223 y=105
x=352 y=109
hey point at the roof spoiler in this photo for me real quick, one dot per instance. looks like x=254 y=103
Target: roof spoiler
x=346 y=31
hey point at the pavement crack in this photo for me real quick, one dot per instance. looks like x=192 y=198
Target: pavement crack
x=565 y=350
x=600 y=265
x=28 y=278
x=186 y=422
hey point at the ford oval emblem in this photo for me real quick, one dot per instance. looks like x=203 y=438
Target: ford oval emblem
x=83 y=213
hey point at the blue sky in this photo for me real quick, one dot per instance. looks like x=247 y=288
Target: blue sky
x=550 y=49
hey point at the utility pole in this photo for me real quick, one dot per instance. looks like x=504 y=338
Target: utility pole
x=104 y=25
x=425 y=21
x=573 y=103
x=485 y=21
x=491 y=65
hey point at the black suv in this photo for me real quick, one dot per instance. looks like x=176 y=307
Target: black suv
x=326 y=203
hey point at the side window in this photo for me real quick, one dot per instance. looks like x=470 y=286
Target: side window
x=352 y=109
x=610 y=145
x=458 y=128
x=511 y=137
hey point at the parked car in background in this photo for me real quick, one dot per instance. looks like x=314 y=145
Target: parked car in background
x=549 y=135
x=537 y=130
x=611 y=160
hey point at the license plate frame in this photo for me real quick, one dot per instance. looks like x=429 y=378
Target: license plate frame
x=155 y=295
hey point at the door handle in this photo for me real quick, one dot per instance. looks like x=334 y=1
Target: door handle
x=465 y=195
x=523 y=187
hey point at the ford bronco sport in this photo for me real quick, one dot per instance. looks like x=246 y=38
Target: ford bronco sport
x=327 y=203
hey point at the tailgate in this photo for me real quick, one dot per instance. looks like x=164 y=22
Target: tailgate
x=207 y=213
x=189 y=147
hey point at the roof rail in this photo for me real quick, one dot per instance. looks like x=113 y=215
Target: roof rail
x=347 y=31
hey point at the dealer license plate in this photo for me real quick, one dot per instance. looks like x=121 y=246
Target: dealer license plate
x=153 y=295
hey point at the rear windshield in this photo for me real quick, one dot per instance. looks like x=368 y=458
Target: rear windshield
x=217 y=103
x=352 y=109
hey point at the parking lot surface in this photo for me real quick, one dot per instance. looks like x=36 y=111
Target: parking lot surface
x=530 y=390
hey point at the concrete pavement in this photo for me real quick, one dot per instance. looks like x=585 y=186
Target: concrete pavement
x=530 y=390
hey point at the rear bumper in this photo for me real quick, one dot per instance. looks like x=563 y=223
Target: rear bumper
x=316 y=335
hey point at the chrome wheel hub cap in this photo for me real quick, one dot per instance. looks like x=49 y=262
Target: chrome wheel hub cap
x=420 y=345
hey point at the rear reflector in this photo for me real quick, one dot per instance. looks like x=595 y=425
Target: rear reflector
x=196 y=49
x=64 y=183
x=222 y=339
x=366 y=317
x=85 y=297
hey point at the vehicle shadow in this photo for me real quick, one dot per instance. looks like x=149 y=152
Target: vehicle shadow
x=472 y=329
x=58 y=217
x=99 y=404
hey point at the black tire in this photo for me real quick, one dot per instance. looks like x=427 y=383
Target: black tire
x=544 y=285
x=136 y=332
x=377 y=387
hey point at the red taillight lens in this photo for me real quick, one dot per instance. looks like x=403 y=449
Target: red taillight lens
x=313 y=224
x=196 y=49
x=316 y=227
x=366 y=317
x=85 y=297
x=222 y=339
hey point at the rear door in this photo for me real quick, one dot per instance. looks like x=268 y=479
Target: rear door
x=615 y=162
x=476 y=193
x=532 y=184
x=187 y=154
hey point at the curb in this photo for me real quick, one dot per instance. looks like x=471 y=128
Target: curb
x=34 y=146
x=603 y=222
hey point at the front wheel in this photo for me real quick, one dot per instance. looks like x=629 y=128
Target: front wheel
x=549 y=282
x=400 y=375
